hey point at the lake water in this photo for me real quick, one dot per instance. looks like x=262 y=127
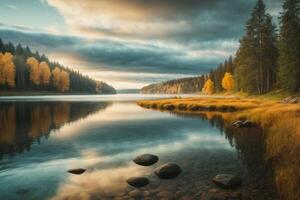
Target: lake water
x=43 y=137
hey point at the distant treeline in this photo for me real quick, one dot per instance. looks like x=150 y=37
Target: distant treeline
x=24 y=70
x=192 y=84
x=266 y=59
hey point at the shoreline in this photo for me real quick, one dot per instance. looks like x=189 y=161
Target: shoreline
x=42 y=93
x=260 y=111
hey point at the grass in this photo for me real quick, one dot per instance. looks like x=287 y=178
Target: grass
x=279 y=122
x=206 y=104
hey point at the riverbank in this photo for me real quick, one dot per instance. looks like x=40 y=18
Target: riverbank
x=243 y=107
x=273 y=120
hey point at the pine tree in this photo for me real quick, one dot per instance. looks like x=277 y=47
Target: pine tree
x=289 y=46
x=256 y=57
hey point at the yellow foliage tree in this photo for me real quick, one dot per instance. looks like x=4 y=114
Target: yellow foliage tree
x=228 y=82
x=7 y=69
x=56 y=77
x=2 y=74
x=34 y=70
x=61 y=79
x=45 y=73
x=64 y=81
x=208 y=87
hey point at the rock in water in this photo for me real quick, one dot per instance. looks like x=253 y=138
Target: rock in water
x=248 y=124
x=238 y=124
x=227 y=181
x=146 y=159
x=168 y=171
x=138 y=181
x=77 y=171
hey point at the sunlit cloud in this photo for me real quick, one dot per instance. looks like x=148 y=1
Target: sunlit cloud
x=106 y=39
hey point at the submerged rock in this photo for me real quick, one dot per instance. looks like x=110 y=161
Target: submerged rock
x=168 y=171
x=77 y=171
x=146 y=159
x=138 y=182
x=227 y=181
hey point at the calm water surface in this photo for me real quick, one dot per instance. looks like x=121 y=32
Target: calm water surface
x=43 y=137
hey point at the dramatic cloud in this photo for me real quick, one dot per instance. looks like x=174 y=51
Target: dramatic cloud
x=158 y=39
x=121 y=55
x=157 y=19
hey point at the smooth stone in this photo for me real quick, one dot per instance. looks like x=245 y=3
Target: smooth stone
x=77 y=171
x=146 y=159
x=227 y=181
x=168 y=171
x=138 y=182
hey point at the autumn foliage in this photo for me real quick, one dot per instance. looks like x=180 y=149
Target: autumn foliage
x=208 y=87
x=7 y=70
x=45 y=73
x=39 y=72
x=228 y=82
x=23 y=70
x=61 y=79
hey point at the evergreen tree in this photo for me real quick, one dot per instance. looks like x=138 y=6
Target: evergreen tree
x=16 y=73
x=256 y=57
x=289 y=46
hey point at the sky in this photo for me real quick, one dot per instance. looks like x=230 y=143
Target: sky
x=131 y=43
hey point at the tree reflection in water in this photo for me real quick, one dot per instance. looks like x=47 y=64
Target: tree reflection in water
x=23 y=123
x=270 y=152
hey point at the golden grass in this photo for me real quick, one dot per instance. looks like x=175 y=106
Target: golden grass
x=280 y=124
x=206 y=104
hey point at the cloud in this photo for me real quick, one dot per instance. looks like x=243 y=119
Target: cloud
x=157 y=19
x=181 y=38
x=119 y=55
x=189 y=22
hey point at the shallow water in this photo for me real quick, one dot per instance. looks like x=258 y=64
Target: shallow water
x=40 y=140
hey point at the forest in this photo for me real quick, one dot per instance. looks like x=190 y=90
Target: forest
x=27 y=71
x=268 y=58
